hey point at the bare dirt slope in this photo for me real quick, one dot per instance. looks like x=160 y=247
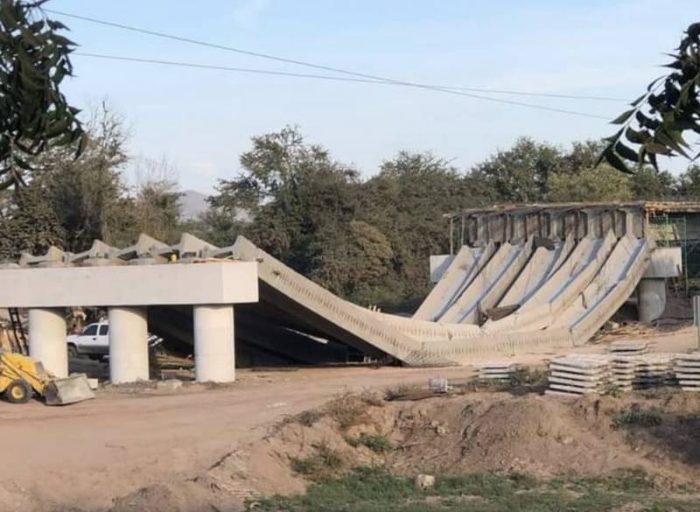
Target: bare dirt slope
x=470 y=433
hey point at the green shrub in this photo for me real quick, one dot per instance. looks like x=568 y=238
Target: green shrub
x=323 y=464
x=377 y=442
x=637 y=417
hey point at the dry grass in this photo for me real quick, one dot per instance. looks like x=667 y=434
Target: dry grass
x=349 y=410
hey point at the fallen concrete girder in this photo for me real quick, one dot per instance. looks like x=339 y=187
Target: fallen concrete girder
x=524 y=277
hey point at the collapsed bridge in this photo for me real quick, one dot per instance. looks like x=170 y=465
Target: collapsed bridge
x=522 y=277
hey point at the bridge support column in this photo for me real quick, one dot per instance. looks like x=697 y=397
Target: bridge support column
x=651 y=298
x=214 y=355
x=128 y=344
x=47 y=339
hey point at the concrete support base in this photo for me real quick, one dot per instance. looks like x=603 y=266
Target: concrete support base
x=214 y=356
x=128 y=344
x=651 y=298
x=47 y=340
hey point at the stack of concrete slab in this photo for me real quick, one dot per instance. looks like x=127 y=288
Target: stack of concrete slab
x=655 y=369
x=578 y=374
x=624 y=361
x=623 y=370
x=687 y=370
x=642 y=371
x=496 y=370
x=628 y=348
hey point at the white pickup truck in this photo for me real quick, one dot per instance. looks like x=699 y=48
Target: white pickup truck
x=93 y=341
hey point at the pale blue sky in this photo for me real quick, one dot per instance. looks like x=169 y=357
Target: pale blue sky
x=201 y=120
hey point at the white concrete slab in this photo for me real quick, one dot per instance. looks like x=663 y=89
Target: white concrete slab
x=229 y=282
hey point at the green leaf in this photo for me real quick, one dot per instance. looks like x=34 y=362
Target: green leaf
x=638 y=100
x=656 y=148
x=626 y=152
x=8 y=15
x=622 y=118
x=637 y=137
x=616 y=162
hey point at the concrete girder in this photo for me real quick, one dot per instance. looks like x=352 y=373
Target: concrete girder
x=99 y=254
x=190 y=246
x=54 y=257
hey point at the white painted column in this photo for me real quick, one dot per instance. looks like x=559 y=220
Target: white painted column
x=214 y=355
x=47 y=339
x=651 y=298
x=128 y=344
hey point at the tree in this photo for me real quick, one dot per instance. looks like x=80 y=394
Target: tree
x=602 y=184
x=406 y=202
x=651 y=184
x=70 y=203
x=689 y=183
x=28 y=223
x=659 y=119
x=34 y=114
x=520 y=174
x=291 y=192
x=88 y=194
x=156 y=209
x=354 y=261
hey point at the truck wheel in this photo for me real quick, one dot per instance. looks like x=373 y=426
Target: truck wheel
x=18 y=392
x=73 y=352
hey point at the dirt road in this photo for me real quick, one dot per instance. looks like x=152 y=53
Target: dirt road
x=86 y=454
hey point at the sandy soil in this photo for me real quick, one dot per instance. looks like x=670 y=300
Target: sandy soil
x=86 y=455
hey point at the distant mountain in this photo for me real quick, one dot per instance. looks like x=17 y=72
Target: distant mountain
x=192 y=204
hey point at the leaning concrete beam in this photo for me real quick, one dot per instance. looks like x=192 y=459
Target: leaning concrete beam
x=617 y=292
x=460 y=273
x=498 y=273
x=347 y=317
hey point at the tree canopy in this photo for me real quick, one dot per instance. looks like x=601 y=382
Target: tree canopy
x=369 y=239
x=34 y=114
x=71 y=202
x=662 y=117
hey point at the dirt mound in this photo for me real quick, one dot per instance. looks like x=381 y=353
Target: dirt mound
x=477 y=432
x=531 y=434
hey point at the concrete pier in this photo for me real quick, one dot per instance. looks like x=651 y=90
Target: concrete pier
x=47 y=339
x=651 y=298
x=128 y=344
x=214 y=356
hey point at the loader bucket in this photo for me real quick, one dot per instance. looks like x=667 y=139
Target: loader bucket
x=67 y=391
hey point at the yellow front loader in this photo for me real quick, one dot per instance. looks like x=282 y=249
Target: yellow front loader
x=21 y=377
